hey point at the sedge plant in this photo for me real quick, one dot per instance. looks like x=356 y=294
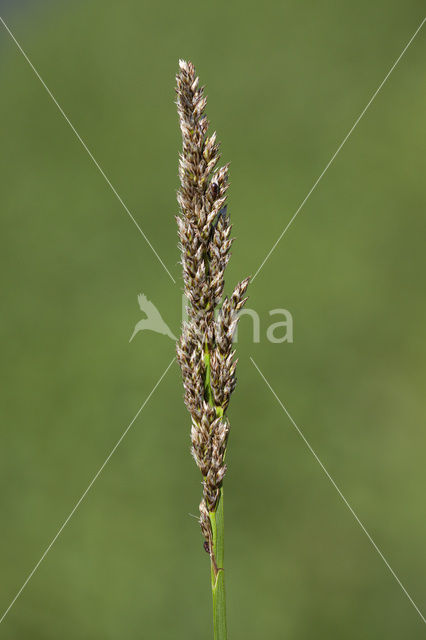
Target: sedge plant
x=205 y=351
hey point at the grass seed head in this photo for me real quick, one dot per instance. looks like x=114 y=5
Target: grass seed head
x=204 y=350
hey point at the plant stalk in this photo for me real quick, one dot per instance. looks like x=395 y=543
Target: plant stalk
x=218 y=532
x=205 y=350
x=217 y=572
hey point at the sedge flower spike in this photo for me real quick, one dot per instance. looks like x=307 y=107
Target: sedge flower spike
x=205 y=351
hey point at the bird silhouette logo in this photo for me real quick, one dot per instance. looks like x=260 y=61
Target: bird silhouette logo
x=153 y=321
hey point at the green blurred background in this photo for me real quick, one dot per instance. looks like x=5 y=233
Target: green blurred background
x=285 y=83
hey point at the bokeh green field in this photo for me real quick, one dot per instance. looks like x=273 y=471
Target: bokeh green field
x=285 y=83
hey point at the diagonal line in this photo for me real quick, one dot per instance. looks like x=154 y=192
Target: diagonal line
x=86 y=148
x=92 y=482
x=333 y=157
x=339 y=492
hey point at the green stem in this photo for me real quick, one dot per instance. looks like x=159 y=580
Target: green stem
x=217 y=572
x=218 y=531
